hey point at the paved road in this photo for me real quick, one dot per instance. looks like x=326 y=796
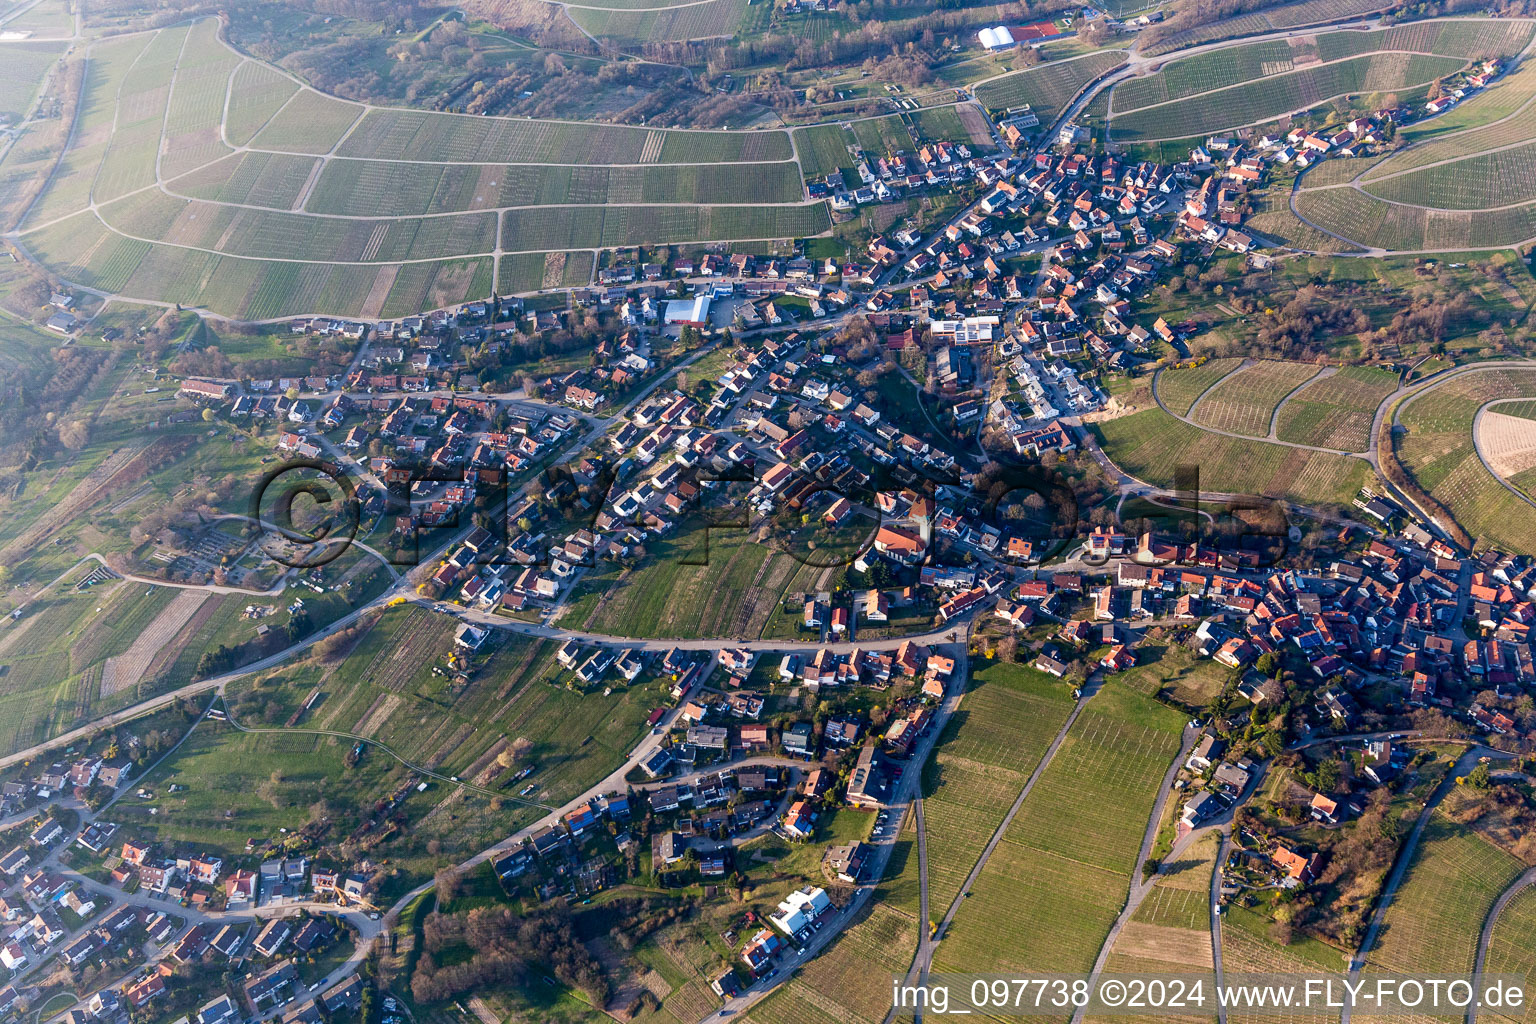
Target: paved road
x=923 y=961
x=907 y=791
x=1527 y=879
x=1464 y=764
x=1142 y=884
x=1223 y=848
x=1377 y=251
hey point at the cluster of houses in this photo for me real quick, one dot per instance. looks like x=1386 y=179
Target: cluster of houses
x=264 y=989
x=885 y=179
x=800 y=914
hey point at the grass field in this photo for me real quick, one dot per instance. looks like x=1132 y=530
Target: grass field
x=1244 y=402
x=1067 y=857
x=1174 y=672
x=1151 y=444
x=1436 y=447
x=1337 y=411
x=884 y=136
x=385 y=691
x=1009 y=716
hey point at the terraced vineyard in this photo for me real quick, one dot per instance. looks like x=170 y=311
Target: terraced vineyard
x=1306 y=12
x=1245 y=63
x=22 y=66
x=1434 y=921
x=1467 y=179
x=1104 y=779
x=1244 y=402
x=1336 y=411
x=1151 y=445
x=1178 y=388
x=1009 y=717
x=1049 y=87
x=1246 y=948
x=1436 y=447
x=1370 y=221
x=1509 y=95
x=1272 y=219
x=712 y=19
x=1170 y=933
x=1488 y=178
x=338 y=208
x=1510 y=950
x=851 y=980
x=1256 y=102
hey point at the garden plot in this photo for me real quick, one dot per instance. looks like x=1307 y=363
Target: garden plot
x=125 y=670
